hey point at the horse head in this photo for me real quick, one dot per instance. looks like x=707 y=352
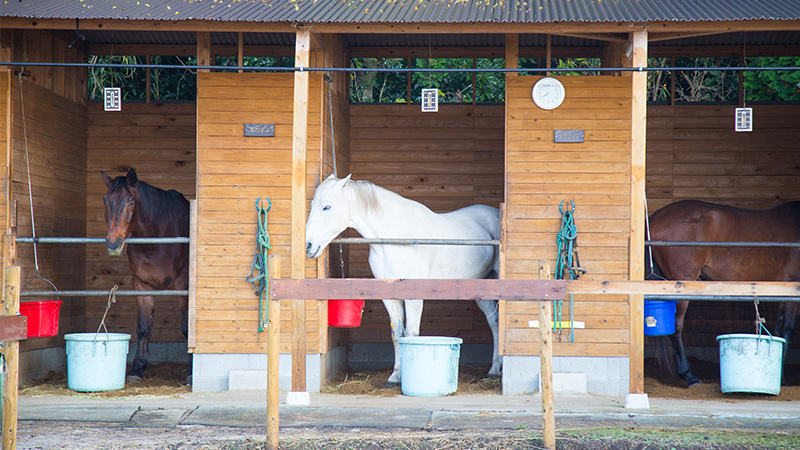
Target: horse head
x=120 y=209
x=329 y=215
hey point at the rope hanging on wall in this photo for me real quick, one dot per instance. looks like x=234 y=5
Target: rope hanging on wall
x=567 y=264
x=259 y=271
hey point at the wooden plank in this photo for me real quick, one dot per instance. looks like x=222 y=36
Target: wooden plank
x=429 y=289
x=11 y=291
x=637 y=214
x=273 y=358
x=13 y=328
x=744 y=288
x=299 y=167
x=546 y=358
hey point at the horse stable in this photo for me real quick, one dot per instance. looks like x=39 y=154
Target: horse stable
x=632 y=156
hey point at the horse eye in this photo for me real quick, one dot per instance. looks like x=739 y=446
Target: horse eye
x=130 y=200
x=326 y=208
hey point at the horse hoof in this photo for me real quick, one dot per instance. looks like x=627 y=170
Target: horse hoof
x=693 y=383
x=133 y=379
x=391 y=385
x=189 y=380
x=492 y=375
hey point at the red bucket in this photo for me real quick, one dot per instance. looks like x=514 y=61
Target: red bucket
x=42 y=317
x=345 y=313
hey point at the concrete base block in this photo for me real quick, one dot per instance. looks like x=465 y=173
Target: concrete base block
x=298 y=398
x=243 y=380
x=637 y=401
x=568 y=383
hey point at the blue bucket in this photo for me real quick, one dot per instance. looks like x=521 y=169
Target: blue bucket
x=96 y=361
x=429 y=365
x=750 y=363
x=659 y=317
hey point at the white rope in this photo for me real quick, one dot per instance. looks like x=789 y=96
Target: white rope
x=30 y=187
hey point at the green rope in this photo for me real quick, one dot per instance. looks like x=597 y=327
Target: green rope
x=567 y=263
x=259 y=275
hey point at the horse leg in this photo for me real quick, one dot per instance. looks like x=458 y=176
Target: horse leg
x=787 y=322
x=677 y=341
x=490 y=310
x=145 y=305
x=396 y=320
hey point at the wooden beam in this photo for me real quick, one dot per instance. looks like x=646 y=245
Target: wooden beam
x=192 y=325
x=240 y=50
x=203 y=50
x=13 y=328
x=429 y=289
x=546 y=360
x=655 y=288
x=11 y=353
x=636 y=244
x=299 y=163
x=512 y=53
x=273 y=358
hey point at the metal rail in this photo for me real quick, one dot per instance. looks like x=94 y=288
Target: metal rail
x=719 y=244
x=391 y=241
x=722 y=298
x=104 y=293
x=75 y=240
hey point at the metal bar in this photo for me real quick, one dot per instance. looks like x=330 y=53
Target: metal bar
x=719 y=244
x=104 y=293
x=389 y=241
x=78 y=240
x=722 y=298
x=398 y=69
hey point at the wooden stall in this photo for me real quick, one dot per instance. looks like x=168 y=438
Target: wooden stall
x=463 y=154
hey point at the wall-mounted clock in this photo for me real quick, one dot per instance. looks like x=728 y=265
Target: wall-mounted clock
x=548 y=93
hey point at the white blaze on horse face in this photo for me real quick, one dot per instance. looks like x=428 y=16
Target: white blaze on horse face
x=329 y=215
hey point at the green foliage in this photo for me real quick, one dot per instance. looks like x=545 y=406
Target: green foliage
x=132 y=81
x=377 y=87
x=772 y=85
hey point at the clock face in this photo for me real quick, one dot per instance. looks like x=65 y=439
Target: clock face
x=548 y=93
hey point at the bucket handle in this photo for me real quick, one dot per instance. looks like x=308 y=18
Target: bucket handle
x=758 y=339
x=112 y=298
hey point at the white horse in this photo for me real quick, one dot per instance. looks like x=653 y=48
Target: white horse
x=376 y=212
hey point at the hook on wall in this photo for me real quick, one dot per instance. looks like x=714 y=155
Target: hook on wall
x=77 y=33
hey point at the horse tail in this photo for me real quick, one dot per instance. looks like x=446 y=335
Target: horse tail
x=665 y=363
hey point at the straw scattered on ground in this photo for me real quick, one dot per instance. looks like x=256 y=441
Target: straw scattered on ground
x=471 y=380
x=164 y=380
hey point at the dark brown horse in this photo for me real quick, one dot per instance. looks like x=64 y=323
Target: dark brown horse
x=692 y=220
x=137 y=209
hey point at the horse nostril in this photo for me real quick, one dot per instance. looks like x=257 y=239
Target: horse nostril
x=308 y=246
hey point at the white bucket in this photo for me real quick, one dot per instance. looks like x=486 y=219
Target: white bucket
x=429 y=365
x=96 y=361
x=750 y=363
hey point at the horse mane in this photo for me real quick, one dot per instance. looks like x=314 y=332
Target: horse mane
x=154 y=202
x=367 y=194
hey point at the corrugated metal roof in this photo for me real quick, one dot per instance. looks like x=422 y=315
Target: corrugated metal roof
x=407 y=11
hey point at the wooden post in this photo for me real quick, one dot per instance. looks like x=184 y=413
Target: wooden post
x=203 y=50
x=11 y=352
x=548 y=53
x=240 y=51
x=192 y=313
x=273 y=357
x=546 y=357
x=636 y=245
x=502 y=274
x=299 y=145
x=512 y=55
x=148 y=81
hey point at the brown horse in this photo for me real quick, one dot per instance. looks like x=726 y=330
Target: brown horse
x=137 y=209
x=692 y=220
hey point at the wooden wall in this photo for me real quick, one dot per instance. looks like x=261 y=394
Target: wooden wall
x=596 y=176
x=232 y=171
x=693 y=152
x=56 y=153
x=446 y=160
x=158 y=140
x=55 y=127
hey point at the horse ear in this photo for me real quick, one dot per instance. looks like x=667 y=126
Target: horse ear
x=106 y=179
x=132 y=178
x=341 y=183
